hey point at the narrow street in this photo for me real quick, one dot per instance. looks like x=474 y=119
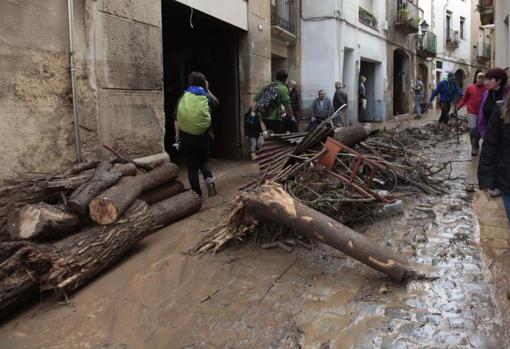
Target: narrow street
x=245 y=297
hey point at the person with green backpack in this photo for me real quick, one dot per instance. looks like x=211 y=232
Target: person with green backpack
x=192 y=130
x=272 y=104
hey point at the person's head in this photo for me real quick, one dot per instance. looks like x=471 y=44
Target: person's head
x=292 y=84
x=495 y=79
x=480 y=79
x=362 y=79
x=322 y=94
x=197 y=79
x=418 y=78
x=338 y=85
x=282 y=76
x=450 y=77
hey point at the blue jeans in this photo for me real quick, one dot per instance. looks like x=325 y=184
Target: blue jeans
x=506 y=201
x=417 y=105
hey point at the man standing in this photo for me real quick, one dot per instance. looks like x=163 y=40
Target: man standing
x=419 y=92
x=447 y=90
x=362 y=98
x=473 y=99
x=291 y=125
x=192 y=127
x=321 y=110
x=273 y=103
x=340 y=98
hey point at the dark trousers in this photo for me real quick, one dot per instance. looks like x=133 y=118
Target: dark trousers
x=275 y=126
x=196 y=151
x=474 y=136
x=445 y=113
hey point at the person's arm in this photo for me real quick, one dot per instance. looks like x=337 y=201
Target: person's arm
x=480 y=119
x=434 y=93
x=488 y=165
x=459 y=91
x=464 y=100
x=331 y=110
x=177 y=135
x=285 y=101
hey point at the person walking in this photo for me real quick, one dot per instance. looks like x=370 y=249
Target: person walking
x=322 y=108
x=339 y=99
x=419 y=93
x=362 y=92
x=497 y=89
x=447 y=90
x=291 y=125
x=494 y=165
x=192 y=127
x=253 y=130
x=472 y=100
x=272 y=103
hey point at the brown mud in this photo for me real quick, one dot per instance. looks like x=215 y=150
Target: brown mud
x=245 y=297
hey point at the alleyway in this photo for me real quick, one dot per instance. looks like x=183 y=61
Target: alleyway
x=251 y=298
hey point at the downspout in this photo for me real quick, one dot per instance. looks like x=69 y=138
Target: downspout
x=76 y=119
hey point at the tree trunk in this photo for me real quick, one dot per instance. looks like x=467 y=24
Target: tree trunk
x=42 y=221
x=161 y=193
x=109 y=205
x=102 y=179
x=350 y=135
x=151 y=162
x=175 y=208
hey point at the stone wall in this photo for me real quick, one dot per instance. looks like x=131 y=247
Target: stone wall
x=119 y=80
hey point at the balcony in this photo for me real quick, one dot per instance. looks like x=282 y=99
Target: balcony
x=486 y=9
x=408 y=18
x=484 y=52
x=367 y=18
x=283 y=20
x=452 y=39
x=426 y=45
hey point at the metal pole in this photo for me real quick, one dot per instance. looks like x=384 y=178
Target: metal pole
x=76 y=119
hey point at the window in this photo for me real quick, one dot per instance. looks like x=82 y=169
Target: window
x=439 y=65
x=448 y=25
x=462 y=28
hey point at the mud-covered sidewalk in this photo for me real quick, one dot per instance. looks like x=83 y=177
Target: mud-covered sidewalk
x=251 y=298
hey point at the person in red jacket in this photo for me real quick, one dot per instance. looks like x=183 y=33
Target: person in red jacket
x=473 y=99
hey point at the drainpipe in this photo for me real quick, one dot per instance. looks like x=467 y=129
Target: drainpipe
x=76 y=119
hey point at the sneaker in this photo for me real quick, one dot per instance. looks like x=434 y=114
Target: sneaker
x=211 y=187
x=253 y=156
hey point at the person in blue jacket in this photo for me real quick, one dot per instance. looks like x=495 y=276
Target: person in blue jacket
x=447 y=90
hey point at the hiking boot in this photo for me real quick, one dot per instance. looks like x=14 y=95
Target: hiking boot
x=211 y=187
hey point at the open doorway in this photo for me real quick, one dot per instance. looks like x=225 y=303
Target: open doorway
x=400 y=76
x=211 y=47
x=460 y=79
x=423 y=73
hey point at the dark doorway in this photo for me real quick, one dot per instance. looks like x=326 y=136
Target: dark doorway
x=211 y=47
x=400 y=77
x=368 y=70
x=460 y=78
x=423 y=73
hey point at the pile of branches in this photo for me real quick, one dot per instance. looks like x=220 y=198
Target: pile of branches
x=60 y=231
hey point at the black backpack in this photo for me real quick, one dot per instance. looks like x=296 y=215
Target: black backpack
x=268 y=99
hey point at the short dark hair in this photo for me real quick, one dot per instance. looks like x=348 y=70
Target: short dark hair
x=497 y=74
x=282 y=75
x=196 y=79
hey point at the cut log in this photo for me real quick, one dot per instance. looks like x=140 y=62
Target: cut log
x=27 y=268
x=151 y=162
x=350 y=135
x=41 y=221
x=109 y=205
x=126 y=169
x=102 y=179
x=83 y=167
x=161 y=193
x=270 y=203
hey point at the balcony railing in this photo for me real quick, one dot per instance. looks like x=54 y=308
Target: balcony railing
x=427 y=45
x=282 y=15
x=408 y=17
x=484 y=52
x=452 y=39
x=486 y=9
x=367 y=18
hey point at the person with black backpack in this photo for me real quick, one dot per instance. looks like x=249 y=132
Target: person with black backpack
x=272 y=104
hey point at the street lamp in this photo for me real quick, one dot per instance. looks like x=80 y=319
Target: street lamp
x=424 y=27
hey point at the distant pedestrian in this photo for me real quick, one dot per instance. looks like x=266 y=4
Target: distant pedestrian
x=291 y=124
x=497 y=89
x=322 y=108
x=362 y=97
x=253 y=130
x=339 y=99
x=447 y=90
x=192 y=127
x=494 y=165
x=272 y=103
x=419 y=93
x=473 y=99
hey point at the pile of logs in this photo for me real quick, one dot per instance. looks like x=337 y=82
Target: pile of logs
x=61 y=231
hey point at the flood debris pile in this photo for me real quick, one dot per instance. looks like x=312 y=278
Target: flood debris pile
x=60 y=231
x=337 y=176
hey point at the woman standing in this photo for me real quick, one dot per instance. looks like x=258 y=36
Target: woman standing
x=495 y=81
x=494 y=166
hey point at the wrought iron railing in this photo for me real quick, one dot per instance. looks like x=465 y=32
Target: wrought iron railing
x=428 y=42
x=367 y=18
x=282 y=14
x=484 y=50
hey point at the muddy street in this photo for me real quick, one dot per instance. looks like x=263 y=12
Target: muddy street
x=246 y=297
